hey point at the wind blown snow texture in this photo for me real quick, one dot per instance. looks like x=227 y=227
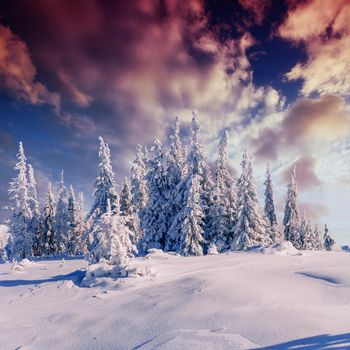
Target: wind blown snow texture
x=268 y=299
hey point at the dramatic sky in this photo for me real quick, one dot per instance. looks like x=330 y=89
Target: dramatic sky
x=274 y=73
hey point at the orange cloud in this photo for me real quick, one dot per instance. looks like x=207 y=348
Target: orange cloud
x=17 y=72
x=323 y=27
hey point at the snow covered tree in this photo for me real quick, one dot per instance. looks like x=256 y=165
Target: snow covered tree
x=21 y=245
x=269 y=208
x=218 y=223
x=127 y=211
x=291 y=215
x=72 y=237
x=48 y=242
x=306 y=235
x=62 y=228
x=225 y=201
x=80 y=229
x=105 y=188
x=197 y=165
x=153 y=216
x=249 y=229
x=126 y=207
x=188 y=222
x=112 y=242
x=318 y=239
x=174 y=174
x=34 y=207
x=139 y=188
x=328 y=241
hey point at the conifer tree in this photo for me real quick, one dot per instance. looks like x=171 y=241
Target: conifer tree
x=72 y=234
x=218 y=223
x=126 y=206
x=188 y=222
x=21 y=242
x=34 y=207
x=328 y=241
x=105 y=188
x=81 y=239
x=197 y=165
x=139 y=188
x=112 y=242
x=306 y=235
x=226 y=199
x=269 y=208
x=249 y=230
x=318 y=239
x=48 y=242
x=128 y=213
x=291 y=214
x=62 y=228
x=174 y=174
x=153 y=216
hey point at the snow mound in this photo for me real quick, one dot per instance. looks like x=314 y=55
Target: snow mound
x=197 y=340
x=96 y=274
x=154 y=253
x=284 y=248
x=25 y=262
x=16 y=267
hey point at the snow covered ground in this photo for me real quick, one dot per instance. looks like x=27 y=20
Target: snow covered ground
x=266 y=299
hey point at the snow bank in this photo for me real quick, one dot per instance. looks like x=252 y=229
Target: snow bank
x=284 y=248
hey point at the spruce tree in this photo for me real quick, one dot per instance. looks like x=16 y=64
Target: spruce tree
x=328 y=241
x=226 y=200
x=197 y=165
x=62 y=228
x=269 y=208
x=188 y=223
x=48 y=242
x=105 y=188
x=112 y=242
x=218 y=223
x=80 y=230
x=318 y=239
x=34 y=207
x=291 y=214
x=21 y=241
x=153 y=216
x=174 y=174
x=249 y=230
x=72 y=236
x=128 y=213
x=307 y=237
x=139 y=188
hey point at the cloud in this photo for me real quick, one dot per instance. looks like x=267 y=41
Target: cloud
x=306 y=172
x=323 y=28
x=257 y=8
x=144 y=62
x=17 y=72
x=308 y=121
x=314 y=211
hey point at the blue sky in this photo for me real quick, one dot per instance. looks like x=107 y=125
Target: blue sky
x=273 y=73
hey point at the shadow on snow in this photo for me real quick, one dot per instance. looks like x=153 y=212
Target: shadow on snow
x=76 y=277
x=319 y=342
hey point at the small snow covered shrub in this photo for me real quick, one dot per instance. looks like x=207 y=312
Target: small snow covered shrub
x=112 y=242
x=212 y=250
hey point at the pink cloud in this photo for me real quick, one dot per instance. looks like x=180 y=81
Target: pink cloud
x=17 y=72
x=306 y=172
